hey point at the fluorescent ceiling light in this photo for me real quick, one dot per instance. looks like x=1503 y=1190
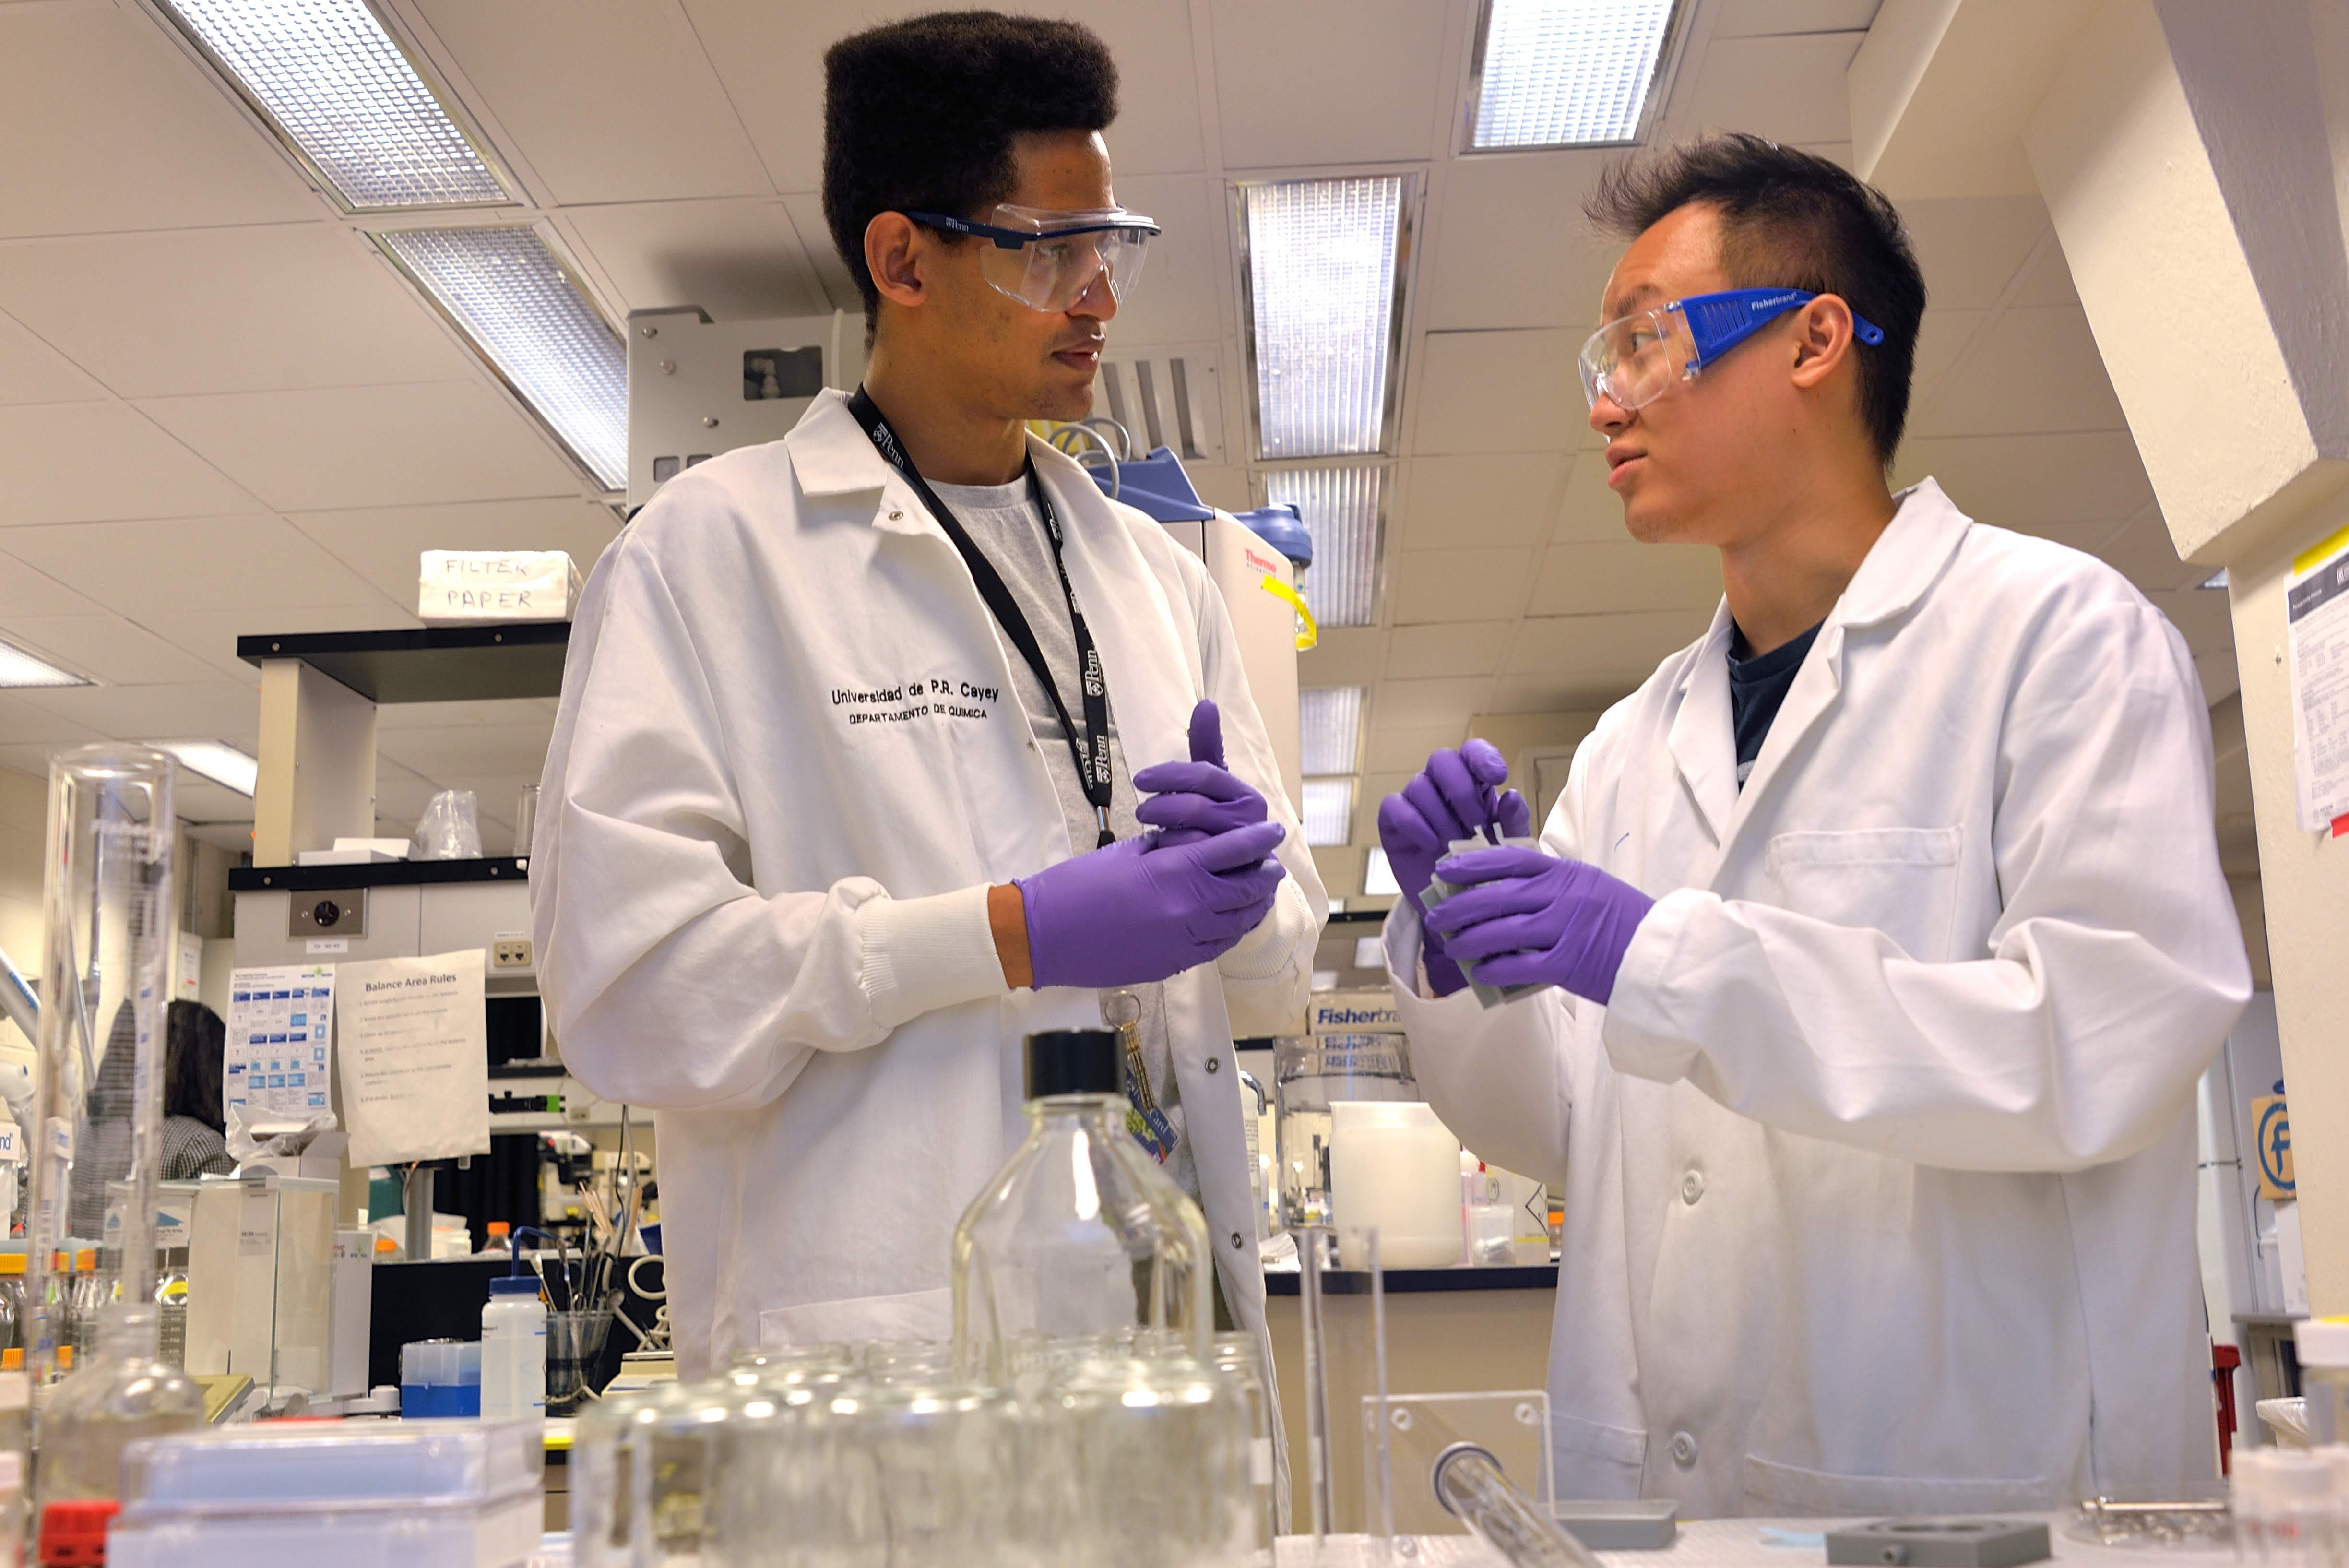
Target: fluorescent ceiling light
x=2216 y=579
x=514 y=298
x=337 y=87
x=1328 y=812
x=18 y=668
x=1368 y=952
x=1565 y=73
x=1378 y=877
x=1330 y=723
x=221 y=765
x=1322 y=268
x=1341 y=509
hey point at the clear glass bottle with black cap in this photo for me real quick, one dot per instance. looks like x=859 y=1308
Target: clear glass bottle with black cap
x=1080 y=1240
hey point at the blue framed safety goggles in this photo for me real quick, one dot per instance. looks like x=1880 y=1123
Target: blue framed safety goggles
x=1047 y=260
x=1634 y=360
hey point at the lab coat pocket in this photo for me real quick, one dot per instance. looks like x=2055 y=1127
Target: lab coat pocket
x=1595 y=1460
x=1903 y=881
x=1790 y=1491
x=916 y=1314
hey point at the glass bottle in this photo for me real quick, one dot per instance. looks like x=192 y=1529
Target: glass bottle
x=171 y=1307
x=120 y=1395
x=1081 y=1235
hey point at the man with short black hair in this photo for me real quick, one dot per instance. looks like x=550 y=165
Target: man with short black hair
x=887 y=744
x=1880 y=935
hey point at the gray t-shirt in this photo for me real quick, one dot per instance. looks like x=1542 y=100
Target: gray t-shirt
x=1003 y=521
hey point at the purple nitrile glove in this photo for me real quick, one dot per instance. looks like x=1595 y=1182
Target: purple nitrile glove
x=1452 y=798
x=1131 y=913
x=1524 y=918
x=1188 y=801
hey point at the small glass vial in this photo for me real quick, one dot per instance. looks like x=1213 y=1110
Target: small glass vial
x=119 y=1395
x=1081 y=1235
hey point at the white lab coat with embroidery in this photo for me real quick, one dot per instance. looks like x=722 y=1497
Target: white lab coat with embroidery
x=788 y=761
x=1878 y=1171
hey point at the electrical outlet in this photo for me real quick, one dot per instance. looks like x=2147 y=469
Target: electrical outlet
x=510 y=953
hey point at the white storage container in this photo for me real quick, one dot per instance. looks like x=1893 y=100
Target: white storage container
x=1394 y=1165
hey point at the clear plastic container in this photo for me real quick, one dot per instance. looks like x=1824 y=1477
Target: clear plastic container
x=513 y=1351
x=1139 y=1462
x=1081 y=1234
x=1394 y=1167
x=440 y=1377
x=1311 y=1074
x=123 y=1395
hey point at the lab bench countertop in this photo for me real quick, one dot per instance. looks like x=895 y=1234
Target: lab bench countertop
x=1724 y=1544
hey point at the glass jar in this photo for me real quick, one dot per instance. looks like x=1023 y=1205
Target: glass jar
x=1309 y=1073
x=118 y=1396
x=1081 y=1234
x=1140 y=1462
x=1240 y=1359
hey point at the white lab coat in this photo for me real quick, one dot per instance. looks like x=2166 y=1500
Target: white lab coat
x=1878 y=1171
x=789 y=759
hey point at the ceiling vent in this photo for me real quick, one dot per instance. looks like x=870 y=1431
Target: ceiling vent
x=1165 y=397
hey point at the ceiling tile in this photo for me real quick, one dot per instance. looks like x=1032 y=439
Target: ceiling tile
x=739 y=260
x=211 y=634
x=1787 y=89
x=2031 y=482
x=2035 y=369
x=1510 y=246
x=1488 y=501
x=2143 y=552
x=33 y=372
x=609 y=100
x=33 y=756
x=1756 y=18
x=1405 y=749
x=23 y=723
x=255 y=563
x=383 y=543
x=71 y=462
x=1457 y=584
x=107 y=646
x=1181 y=295
x=225 y=310
x=1346 y=655
x=197 y=799
x=1460 y=647
x=108 y=127
x=1591 y=579
x=1327 y=81
x=1563 y=693
x=2201 y=615
x=1969 y=246
x=1498 y=392
x=370 y=446
x=143 y=712
x=771 y=59
x=1425 y=704
x=1577 y=647
x=25 y=591
x=2048 y=281
x=806 y=210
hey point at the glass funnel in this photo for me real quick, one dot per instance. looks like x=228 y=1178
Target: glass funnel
x=1080 y=1237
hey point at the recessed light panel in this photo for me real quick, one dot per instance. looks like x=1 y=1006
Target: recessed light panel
x=1321 y=258
x=1328 y=812
x=1567 y=73
x=333 y=84
x=1341 y=509
x=1377 y=875
x=220 y=764
x=512 y=296
x=18 y=668
x=1330 y=719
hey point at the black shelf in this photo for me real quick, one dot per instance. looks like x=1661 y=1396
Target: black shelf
x=1420 y=1281
x=433 y=664
x=375 y=874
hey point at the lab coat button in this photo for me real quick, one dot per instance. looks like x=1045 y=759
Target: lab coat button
x=897 y=517
x=1692 y=1187
x=1214 y=1066
x=1683 y=1450
x=1236 y=1239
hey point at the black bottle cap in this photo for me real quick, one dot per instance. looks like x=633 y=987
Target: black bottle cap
x=1075 y=1061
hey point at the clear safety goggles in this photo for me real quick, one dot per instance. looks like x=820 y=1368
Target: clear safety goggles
x=1047 y=260
x=1634 y=360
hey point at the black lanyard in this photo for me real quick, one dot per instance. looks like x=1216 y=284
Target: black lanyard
x=1089 y=747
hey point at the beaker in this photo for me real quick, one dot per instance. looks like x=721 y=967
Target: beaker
x=1309 y=1072
x=112 y=926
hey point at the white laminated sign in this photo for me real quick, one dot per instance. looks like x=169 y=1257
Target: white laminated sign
x=415 y=1058
x=2316 y=616
x=457 y=587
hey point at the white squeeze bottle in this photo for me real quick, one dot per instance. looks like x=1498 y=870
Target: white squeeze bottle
x=514 y=1350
